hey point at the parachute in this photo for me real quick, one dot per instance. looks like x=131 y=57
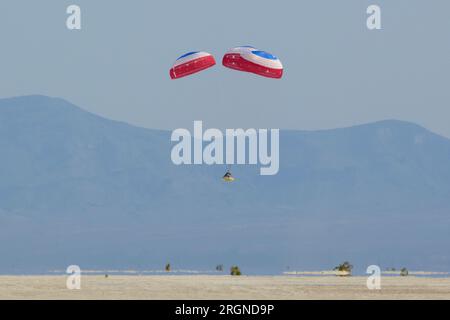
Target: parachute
x=190 y=63
x=250 y=59
x=244 y=58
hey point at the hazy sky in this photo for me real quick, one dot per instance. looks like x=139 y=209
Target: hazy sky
x=337 y=72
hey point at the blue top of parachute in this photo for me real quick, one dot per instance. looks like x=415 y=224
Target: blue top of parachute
x=264 y=54
x=187 y=54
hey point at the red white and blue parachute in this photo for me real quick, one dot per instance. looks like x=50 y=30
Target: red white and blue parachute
x=250 y=59
x=191 y=63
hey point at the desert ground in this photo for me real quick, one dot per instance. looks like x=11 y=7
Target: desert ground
x=222 y=287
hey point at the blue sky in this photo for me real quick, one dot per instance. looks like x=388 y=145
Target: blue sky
x=337 y=72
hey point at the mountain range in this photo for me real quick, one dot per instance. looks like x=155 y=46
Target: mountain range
x=76 y=188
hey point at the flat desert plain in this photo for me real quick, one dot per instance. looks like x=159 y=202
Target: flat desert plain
x=164 y=287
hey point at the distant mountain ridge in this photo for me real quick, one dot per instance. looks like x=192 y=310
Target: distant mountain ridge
x=76 y=188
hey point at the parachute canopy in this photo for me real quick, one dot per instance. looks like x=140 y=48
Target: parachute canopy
x=250 y=59
x=191 y=63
